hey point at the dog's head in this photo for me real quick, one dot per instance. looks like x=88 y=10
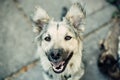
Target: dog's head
x=59 y=40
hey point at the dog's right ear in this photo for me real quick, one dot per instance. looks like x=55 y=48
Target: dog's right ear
x=40 y=19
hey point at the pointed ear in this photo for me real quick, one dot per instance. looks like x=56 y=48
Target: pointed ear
x=76 y=16
x=40 y=19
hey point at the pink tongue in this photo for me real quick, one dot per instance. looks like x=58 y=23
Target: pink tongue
x=58 y=64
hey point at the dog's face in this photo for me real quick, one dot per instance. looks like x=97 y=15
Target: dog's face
x=59 y=44
x=59 y=41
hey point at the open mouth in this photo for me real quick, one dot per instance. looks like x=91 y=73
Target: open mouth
x=60 y=66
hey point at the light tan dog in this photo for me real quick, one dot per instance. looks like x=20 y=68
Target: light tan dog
x=60 y=44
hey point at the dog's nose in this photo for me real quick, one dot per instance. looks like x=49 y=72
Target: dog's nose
x=55 y=55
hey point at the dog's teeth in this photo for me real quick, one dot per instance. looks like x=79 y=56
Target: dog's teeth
x=58 y=70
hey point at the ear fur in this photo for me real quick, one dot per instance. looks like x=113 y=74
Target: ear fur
x=76 y=16
x=40 y=18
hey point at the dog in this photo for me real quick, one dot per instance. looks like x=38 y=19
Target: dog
x=59 y=43
x=109 y=59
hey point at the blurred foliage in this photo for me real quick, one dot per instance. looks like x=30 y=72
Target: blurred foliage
x=115 y=3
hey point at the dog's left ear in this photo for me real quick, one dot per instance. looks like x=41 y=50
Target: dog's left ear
x=76 y=16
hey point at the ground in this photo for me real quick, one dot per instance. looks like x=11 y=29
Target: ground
x=18 y=59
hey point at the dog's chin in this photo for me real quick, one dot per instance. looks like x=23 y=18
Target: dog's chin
x=59 y=67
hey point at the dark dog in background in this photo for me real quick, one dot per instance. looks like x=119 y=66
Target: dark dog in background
x=109 y=59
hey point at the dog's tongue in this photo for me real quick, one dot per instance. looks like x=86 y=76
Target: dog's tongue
x=56 y=65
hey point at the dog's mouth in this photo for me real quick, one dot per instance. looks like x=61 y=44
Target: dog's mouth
x=59 y=67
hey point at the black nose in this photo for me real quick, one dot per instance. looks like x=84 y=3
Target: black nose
x=56 y=54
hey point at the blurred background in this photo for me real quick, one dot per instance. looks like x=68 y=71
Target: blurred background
x=18 y=59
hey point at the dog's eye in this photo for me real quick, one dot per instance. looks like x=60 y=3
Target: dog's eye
x=47 y=38
x=67 y=38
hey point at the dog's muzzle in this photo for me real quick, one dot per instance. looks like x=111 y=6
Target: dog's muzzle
x=59 y=59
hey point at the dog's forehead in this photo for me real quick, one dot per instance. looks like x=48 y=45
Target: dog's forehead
x=58 y=27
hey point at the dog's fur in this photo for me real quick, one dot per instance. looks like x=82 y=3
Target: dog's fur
x=61 y=40
x=109 y=59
